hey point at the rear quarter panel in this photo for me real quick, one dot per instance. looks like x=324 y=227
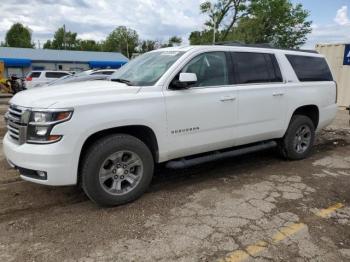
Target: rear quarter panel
x=319 y=93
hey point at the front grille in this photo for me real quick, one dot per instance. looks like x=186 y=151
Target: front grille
x=15 y=113
x=16 y=118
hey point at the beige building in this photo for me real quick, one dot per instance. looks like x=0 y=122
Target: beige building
x=338 y=56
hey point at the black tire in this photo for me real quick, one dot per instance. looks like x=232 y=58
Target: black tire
x=96 y=156
x=287 y=145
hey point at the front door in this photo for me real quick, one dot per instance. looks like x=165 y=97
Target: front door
x=202 y=118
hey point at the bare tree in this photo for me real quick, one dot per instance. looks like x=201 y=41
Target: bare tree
x=220 y=11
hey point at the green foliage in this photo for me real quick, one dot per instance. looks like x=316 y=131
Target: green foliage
x=63 y=40
x=19 y=36
x=122 y=39
x=148 y=45
x=173 y=41
x=274 y=21
x=89 y=45
x=201 y=37
x=278 y=22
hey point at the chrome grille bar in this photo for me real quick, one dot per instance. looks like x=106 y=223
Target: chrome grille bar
x=12 y=129
x=16 y=124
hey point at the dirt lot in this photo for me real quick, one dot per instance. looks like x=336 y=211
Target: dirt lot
x=252 y=208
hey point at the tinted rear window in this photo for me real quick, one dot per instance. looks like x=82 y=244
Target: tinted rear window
x=255 y=68
x=35 y=74
x=308 y=68
x=55 y=74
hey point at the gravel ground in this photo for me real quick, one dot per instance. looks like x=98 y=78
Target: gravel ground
x=250 y=208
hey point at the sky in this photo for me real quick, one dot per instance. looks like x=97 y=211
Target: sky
x=152 y=19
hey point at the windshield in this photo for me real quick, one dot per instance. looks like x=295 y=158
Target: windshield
x=146 y=69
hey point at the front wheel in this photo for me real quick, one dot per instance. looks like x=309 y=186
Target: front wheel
x=299 y=138
x=116 y=170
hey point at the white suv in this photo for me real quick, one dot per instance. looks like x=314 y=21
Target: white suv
x=181 y=106
x=40 y=78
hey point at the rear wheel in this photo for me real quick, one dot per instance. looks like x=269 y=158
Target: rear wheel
x=299 y=138
x=116 y=170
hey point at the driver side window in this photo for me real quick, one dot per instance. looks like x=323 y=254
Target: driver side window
x=211 y=69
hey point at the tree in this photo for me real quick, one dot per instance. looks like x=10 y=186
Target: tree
x=148 y=45
x=63 y=40
x=175 y=41
x=19 y=36
x=201 y=37
x=89 y=45
x=278 y=22
x=221 y=11
x=122 y=39
x=172 y=41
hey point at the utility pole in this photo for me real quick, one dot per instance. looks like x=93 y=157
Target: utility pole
x=127 y=44
x=127 y=48
x=64 y=36
x=214 y=33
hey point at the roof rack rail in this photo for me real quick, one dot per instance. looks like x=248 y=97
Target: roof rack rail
x=263 y=45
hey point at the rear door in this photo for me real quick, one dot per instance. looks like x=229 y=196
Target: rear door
x=262 y=96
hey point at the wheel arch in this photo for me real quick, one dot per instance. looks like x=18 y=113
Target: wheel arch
x=142 y=132
x=312 y=111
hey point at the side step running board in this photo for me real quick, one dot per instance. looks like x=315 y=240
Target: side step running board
x=217 y=155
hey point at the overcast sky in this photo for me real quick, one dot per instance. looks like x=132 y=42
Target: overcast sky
x=152 y=19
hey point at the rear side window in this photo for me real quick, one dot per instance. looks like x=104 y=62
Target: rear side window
x=55 y=74
x=252 y=68
x=308 y=68
x=34 y=74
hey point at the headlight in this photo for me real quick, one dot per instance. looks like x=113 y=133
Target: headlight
x=41 y=124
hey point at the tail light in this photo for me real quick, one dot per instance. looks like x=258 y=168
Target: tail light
x=29 y=78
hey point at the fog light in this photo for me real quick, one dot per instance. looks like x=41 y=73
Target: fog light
x=41 y=130
x=41 y=174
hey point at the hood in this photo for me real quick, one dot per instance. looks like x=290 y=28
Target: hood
x=73 y=94
x=73 y=79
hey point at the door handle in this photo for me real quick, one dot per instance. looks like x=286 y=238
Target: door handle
x=227 y=98
x=278 y=94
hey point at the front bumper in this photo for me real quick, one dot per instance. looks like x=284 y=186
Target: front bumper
x=54 y=159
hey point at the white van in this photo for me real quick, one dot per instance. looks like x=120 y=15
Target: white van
x=40 y=78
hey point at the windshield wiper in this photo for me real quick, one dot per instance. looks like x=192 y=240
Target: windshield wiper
x=120 y=80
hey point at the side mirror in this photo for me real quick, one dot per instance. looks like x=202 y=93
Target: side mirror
x=185 y=81
x=189 y=78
